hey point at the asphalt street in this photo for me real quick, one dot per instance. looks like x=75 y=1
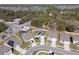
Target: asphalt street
x=55 y=50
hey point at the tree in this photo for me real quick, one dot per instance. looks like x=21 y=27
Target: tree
x=39 y=22
x=3 y=27
x=60 y=26
x=70 y=28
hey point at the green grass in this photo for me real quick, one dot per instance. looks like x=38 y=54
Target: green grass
x=19 y=36
x=26 y=44
x=35 y=52
x=43 y=53
x=74 y=46
x=59 y=43
x=46 y=33
x=48 y=42
x=15 y=52
x=37 y=40
x=1 y=42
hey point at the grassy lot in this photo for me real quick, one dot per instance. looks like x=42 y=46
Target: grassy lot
x=26 y=44
x=37 y=40
x=48 y=42
x=35 y=52
x=59 y=43
x=74 y=47
x=15 y=52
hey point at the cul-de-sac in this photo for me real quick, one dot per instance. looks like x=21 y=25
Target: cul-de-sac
x=39 y=29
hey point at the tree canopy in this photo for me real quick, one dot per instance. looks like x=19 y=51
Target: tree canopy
x=3 y=27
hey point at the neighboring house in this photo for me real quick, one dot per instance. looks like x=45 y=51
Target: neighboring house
x=3 y=35
x=14 y=27
x=26 y=26
x=15 y=40
x=4 y=49
x=69 y=37
x=52 y=34
x=64 y=37
x=17 y=20
x=26 y=35
x=39 y=32
x=75 y=39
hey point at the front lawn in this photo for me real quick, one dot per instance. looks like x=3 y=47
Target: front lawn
x=35 y=52
x=26 y=44
x=37 y=40
x=15 y=52
x=43 y=53
x=59 y=43
x=74 y=47
x=48 y=42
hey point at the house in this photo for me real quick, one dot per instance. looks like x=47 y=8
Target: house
x=13 y=26
x=75 y=39
x=26 y=35
x=69 y=37
x=26 y=26
x=12 y=41
x=64 y=37
x=17 y=20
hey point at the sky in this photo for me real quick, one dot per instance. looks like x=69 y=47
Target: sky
x=39 y=2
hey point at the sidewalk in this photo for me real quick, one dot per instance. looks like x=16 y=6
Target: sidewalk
x=42 y=40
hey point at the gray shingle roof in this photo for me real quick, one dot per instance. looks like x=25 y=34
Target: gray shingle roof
x=64 y=37
x=4 y=49
x=26 y=35
x=76 y=37
x=16 y=41
x=52 y=34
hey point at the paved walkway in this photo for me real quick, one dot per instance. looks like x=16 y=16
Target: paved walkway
x=42 y=40
x=53 y=44
x=67 y=46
